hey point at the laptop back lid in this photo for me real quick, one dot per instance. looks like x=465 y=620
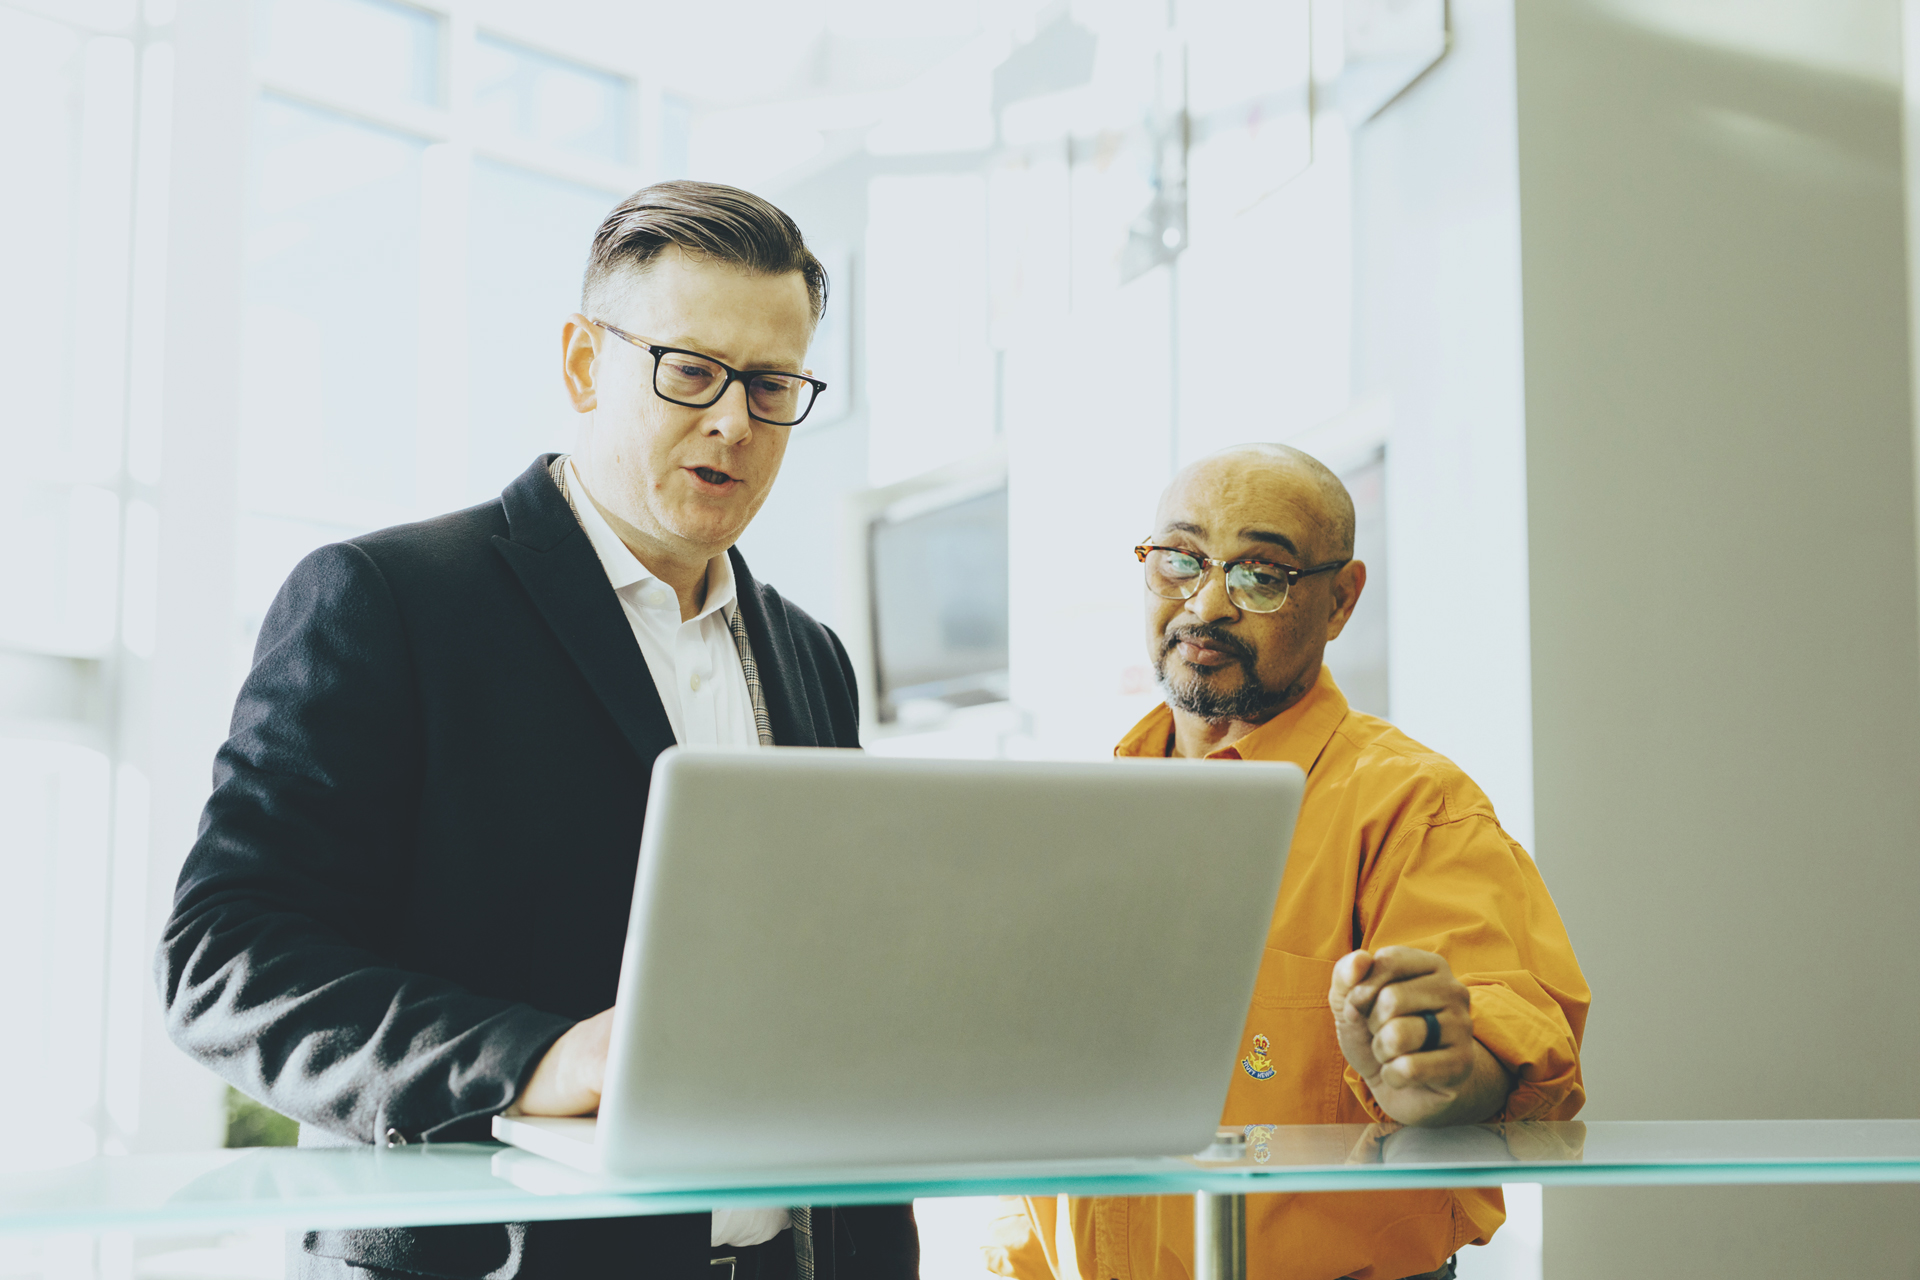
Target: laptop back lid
x=843 y=959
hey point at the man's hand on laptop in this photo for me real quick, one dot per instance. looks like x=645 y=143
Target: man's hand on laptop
x=1380 y=1005
x=569 y=1078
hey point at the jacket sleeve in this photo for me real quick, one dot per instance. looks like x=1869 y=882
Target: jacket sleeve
x=268 y=967
x=1464 y=889
x=847 y=718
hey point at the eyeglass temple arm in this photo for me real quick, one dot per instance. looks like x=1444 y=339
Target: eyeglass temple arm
x=1329 y=566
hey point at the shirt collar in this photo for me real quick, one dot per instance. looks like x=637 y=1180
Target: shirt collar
x=624 y=569
x=1297 y=735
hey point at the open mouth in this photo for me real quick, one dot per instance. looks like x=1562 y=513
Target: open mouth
x=719 y=479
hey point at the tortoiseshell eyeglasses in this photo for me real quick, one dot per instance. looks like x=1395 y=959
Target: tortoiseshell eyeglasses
x=1258 y=586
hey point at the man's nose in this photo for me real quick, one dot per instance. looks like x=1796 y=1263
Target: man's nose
x=728 y=418
x=1210 y=602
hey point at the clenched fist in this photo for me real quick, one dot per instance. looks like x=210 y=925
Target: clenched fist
x=1378 y=1000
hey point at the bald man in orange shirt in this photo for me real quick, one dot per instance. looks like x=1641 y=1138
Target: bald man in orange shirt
x=1416 y=970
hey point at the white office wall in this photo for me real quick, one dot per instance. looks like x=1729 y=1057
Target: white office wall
x=1726 y=670
x=1437 y=354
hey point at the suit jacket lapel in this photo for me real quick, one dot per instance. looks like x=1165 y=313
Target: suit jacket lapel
x=556 y=565
x=781 y=677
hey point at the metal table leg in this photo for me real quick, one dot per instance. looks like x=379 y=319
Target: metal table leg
x=1219 y=1236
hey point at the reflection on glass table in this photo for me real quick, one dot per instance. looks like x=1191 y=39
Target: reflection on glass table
x=420 y=1185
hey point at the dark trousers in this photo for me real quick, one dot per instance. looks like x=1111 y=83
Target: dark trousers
x=770 y=1261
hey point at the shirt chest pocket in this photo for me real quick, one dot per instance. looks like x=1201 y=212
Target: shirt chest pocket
x=1290 y=1063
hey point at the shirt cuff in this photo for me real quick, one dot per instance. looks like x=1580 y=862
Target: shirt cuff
x=1538 y=1050
x=1541 y=1056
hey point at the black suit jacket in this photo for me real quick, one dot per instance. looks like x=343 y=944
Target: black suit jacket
x=415 y=869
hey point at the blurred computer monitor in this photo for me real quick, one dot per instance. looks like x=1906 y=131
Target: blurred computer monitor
x=937 y=573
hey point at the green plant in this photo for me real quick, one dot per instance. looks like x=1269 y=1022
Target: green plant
x=253 y=1124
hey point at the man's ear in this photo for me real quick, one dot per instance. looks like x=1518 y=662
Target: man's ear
x=1348 y=583
x=579 y=344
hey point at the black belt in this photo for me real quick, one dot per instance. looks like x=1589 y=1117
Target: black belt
x=772 y=1260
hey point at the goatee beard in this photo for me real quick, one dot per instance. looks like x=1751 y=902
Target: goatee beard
x=1251 y=703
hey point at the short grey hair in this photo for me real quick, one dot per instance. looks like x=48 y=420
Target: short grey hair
x=724 y=224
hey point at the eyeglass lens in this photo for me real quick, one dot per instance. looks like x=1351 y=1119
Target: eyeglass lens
x=1174 y=575
x=692 y=380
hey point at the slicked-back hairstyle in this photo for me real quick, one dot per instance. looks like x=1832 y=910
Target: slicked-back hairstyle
x=724 y=224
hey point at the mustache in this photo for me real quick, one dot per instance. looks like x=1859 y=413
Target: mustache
x=1214 y=634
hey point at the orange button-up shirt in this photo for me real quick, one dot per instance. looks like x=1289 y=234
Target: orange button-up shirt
x=1394 y=845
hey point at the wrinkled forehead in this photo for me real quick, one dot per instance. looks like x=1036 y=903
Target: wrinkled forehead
x=1228 y=505
x=745 y=318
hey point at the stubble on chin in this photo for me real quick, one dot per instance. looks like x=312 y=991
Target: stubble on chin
x=1191 y=689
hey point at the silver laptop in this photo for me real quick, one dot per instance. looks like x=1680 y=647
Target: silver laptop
x=843 y=960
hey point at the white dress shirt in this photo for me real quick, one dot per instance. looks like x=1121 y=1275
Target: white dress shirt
x=694 y=663
x=697 y=670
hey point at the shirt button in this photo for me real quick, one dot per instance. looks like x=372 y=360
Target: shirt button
x=654 y=597
x=695 y=682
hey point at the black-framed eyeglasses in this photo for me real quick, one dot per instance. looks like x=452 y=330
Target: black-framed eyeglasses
x=694 y=380
x=1258 y=586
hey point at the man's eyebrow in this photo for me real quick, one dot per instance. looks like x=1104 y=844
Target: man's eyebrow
x=1274 y=539
x=689 y=344
x=694 y=345
x=1251 y=535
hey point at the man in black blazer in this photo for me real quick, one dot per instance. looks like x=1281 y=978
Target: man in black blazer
x=406 y=906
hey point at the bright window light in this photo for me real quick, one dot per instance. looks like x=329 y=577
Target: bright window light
x=145 y=368
x=537 y=98
x=930 y=376
x=527 y=241
x=140 y=579
x=92 y=570
x=363 y=49
x=53 y=857
x=34 y=247
x=101 y=238
x=328 y=379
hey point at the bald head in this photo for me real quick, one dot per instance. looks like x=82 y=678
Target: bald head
x=1262 y=474
x=1227 y=655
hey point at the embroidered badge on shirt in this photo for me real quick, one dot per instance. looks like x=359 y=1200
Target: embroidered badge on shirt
x=1256 y=1063
x=1259 y=1142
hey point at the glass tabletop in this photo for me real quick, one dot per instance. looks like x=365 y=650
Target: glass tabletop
x=485 y=1182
